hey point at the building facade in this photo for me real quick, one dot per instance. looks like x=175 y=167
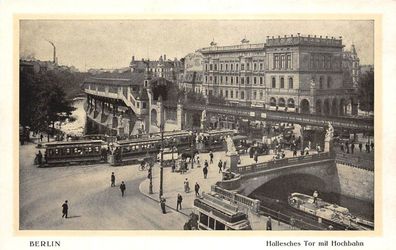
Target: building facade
x=291 y=73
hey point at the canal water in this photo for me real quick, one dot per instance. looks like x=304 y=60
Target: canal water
x=280 y=188
x=77 y=125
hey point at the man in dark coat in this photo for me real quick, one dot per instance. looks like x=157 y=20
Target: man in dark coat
x=205 y=171
x=39 y=158
x=112 y=179
x=162 y=204
x=220 y=165
x=196 y=188
x=122 y=187
x=179 y=202
x=211 y=157
x=65 y=208
x=269 y=223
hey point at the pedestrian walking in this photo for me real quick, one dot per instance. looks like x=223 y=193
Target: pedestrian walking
x=112 y=179
x=220 y=165
x=256 y=156
x=122 y=187
x=372 y=146
x=179 y=202
x=41 y=137
x=65 y=209
x=206 y=164
x=352 y=148
x=39 y=158
x=186 y=186
x=269 y=223
x=367 y=148
x=196 y=189
x=294 y=152
x=360 y=146
x=292 y=222
x=162 y=204
x=205 y=172
x=347 y=147
x=211 y=157
x=224 y=165
x=197 y=158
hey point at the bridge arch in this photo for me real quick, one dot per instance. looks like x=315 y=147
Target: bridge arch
x=334 y=107
x=290 y=103
x=272 y=101
x=342 y=107
x=281 y=186
x=304 y=106
x=154 y=117
x=326 y=106
x=318 y=107
x=281 y=102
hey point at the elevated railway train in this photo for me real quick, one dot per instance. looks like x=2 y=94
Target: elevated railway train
x=104 y=149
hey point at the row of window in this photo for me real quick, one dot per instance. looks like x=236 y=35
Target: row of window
x=320 y=61
x=282 y=61
x=282 y=83
x=234 y=67
x=232 y=79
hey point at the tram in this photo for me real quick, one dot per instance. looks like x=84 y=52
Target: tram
x=216 y=213
x=146 y=149
x=214 y=140
x=65 y=153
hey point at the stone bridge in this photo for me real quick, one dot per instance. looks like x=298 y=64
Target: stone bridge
x=329 y=174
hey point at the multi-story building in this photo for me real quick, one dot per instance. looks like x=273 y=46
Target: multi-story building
x=351 y=66
x=192 y=77
x=295 y=73
x=164 y=68
x=235 y=72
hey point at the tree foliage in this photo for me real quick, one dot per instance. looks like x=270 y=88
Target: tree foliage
x=366 y=91
x=42 y=99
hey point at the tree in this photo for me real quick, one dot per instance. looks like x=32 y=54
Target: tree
x=366 y=91
x=43 y=100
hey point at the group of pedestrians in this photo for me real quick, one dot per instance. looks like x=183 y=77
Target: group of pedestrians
x=350 y=147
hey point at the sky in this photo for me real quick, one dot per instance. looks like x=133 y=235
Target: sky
x=109 y=44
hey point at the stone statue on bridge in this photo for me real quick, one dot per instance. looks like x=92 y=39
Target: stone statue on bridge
x=329 y=132
x=203 y=119
x=328 y=142
x=230 y=145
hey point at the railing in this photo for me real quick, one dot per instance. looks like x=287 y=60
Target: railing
x=306 y=119
x=232 y=47
x=355 y=161
x=236 y=198
x=281 y=163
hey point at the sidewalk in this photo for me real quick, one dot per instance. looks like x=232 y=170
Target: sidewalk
x=173 y=183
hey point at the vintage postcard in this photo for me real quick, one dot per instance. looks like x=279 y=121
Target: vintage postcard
x=174 y=126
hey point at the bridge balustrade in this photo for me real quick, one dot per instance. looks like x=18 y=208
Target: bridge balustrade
x=252 y=168
x=236 y=198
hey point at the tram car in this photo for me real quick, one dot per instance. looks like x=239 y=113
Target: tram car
x=66 y=153
x=102 y=137
x=214 y=140
x=146 y=149
x=216 y=213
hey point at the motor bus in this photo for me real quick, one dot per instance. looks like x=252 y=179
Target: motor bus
x=65 y=153
x=216 y=213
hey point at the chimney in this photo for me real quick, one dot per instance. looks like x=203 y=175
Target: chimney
x=164 y=57
x=133 y=58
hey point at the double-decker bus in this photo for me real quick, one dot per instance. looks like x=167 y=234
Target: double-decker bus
x=216 y=213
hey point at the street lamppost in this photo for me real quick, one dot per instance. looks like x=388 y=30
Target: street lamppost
x=162 y=160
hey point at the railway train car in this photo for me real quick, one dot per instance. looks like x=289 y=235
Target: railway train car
x=216 y=213
x=65 y=153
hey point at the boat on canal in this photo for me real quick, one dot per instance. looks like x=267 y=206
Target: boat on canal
x=329 y=212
